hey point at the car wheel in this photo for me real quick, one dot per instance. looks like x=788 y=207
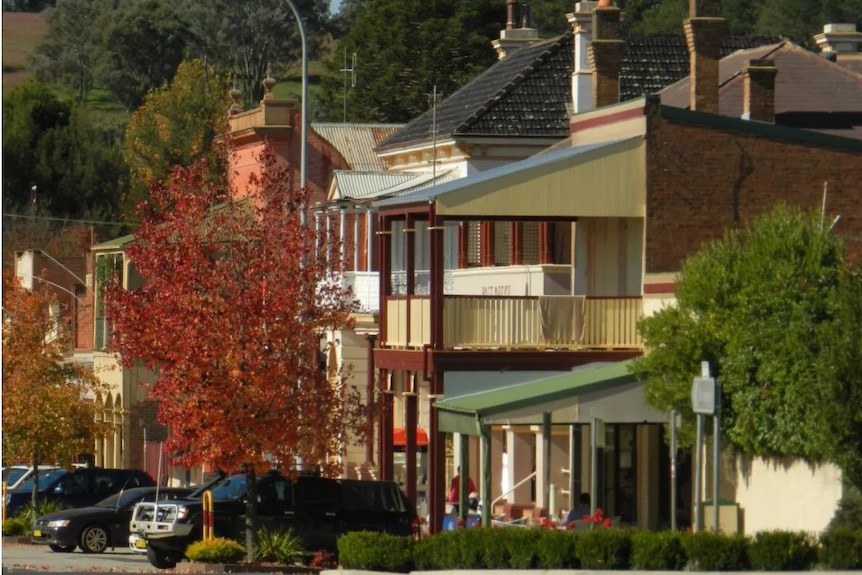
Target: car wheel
x=160 y=559
x=61 y=548
x=94 y=539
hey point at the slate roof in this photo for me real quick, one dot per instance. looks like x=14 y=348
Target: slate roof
x=525 y=94
x=811 y=92
x=653 y=62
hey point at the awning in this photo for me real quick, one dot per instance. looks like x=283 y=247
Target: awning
x=399 y=436
x=607 y=391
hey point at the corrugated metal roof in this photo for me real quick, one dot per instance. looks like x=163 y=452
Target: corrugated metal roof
x=368 y=185
x=364 y=185
x=356 y=142
x=114 y=244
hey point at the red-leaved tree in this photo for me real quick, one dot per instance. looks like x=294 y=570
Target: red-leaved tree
x=236 y=296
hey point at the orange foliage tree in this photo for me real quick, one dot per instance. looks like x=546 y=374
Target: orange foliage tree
x=236 y=296
x=49 y=406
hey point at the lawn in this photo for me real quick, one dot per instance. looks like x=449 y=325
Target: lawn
x=22 y=32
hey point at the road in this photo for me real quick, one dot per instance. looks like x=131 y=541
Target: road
x=25 y=558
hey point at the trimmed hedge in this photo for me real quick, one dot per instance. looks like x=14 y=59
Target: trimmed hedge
x=601 y=548
x=782 y=551
x=658 y=551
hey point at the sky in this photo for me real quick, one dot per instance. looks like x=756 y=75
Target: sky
x=334 y=5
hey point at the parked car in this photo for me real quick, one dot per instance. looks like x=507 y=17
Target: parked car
x=97 y=527
x=15 y=475
x=317 y=509
x=79 y=487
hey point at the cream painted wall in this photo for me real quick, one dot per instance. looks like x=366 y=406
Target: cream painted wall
x=510 y=280
x=786 y=494
x=608 y=256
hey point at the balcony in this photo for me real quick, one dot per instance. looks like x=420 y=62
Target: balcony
x=513 y=323
x=366 y=290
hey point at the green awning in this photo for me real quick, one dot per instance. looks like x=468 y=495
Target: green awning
x=606 y=390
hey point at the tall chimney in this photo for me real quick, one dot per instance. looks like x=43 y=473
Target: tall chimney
x=839 y=39
x=759 y=90
x=704 y=32
x=606 y=54
x=581 y=21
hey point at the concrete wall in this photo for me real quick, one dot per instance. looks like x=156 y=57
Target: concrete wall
x=786 y=494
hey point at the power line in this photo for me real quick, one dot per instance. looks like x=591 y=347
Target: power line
x=71 y=220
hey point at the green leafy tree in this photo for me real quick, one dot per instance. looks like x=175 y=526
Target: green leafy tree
x=142 y=46
x=57 y=156
x=243 y=39
x=775 y=309
x=70 y=49
x=40 y=391
x=423 y=44
x=176 y=126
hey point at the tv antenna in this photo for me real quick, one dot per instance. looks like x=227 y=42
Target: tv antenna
x=352 y=71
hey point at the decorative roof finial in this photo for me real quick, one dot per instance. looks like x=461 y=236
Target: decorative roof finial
x=268 y=84
x=236 y=96
x=605 y=4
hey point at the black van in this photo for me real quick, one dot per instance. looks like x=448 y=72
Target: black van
x=316 y=509
x=79 y=487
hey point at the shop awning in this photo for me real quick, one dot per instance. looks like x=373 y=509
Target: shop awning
x=607 y=391
x=399 y=436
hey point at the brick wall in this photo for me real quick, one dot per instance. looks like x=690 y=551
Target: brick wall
x=702 y=180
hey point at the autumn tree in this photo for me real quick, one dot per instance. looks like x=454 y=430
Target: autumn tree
x=49 y=406
x=777 y=311
x=234 y=302
x=176 y=126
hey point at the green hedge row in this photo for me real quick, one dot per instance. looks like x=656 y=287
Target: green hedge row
x=512 y=548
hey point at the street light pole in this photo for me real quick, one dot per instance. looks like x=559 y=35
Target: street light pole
x=303 y=161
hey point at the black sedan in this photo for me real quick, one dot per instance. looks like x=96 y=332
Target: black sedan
x=103 y=525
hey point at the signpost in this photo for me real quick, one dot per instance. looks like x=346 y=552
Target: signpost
x=705 y=400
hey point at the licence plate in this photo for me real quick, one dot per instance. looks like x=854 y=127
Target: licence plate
x=140 y=543
x=37 y=533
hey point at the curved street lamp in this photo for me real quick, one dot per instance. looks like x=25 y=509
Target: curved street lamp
x=303 y=161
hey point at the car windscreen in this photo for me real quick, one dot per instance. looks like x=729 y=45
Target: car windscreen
x=230 y=488
x=46 y=479
x=14 y=474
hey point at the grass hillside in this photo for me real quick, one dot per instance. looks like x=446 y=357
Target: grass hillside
x=22 y=32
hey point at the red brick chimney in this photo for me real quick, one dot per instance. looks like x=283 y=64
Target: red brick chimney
x=704 y=31
x=759 y=90
x=605 y=54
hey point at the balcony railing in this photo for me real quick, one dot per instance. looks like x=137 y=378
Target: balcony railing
x=366 y=289
x=502 y=322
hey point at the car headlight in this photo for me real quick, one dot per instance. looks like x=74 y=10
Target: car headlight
x=7 y=499
x=182 y=513
x=58 y=523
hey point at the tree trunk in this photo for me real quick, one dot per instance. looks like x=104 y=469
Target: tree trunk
x=250 y=514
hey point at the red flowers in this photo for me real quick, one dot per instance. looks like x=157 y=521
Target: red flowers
x=598 y=518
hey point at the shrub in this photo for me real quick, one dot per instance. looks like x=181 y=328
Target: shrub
x=283 y=547
x=373 y=551
x=708 y=551
x=658 y=551
x=28 y=514
x=521 y=547
x=495 y=554
x=841 y=548
x=216 y=550
x=604 y=548
x=556 y=550
x=15 y=526
x=782 y=551
x=849 y=512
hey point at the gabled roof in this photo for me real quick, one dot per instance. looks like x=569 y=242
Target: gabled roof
x=356 y=142
x=653 y=62
x=811 y=92
x=524 y=94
